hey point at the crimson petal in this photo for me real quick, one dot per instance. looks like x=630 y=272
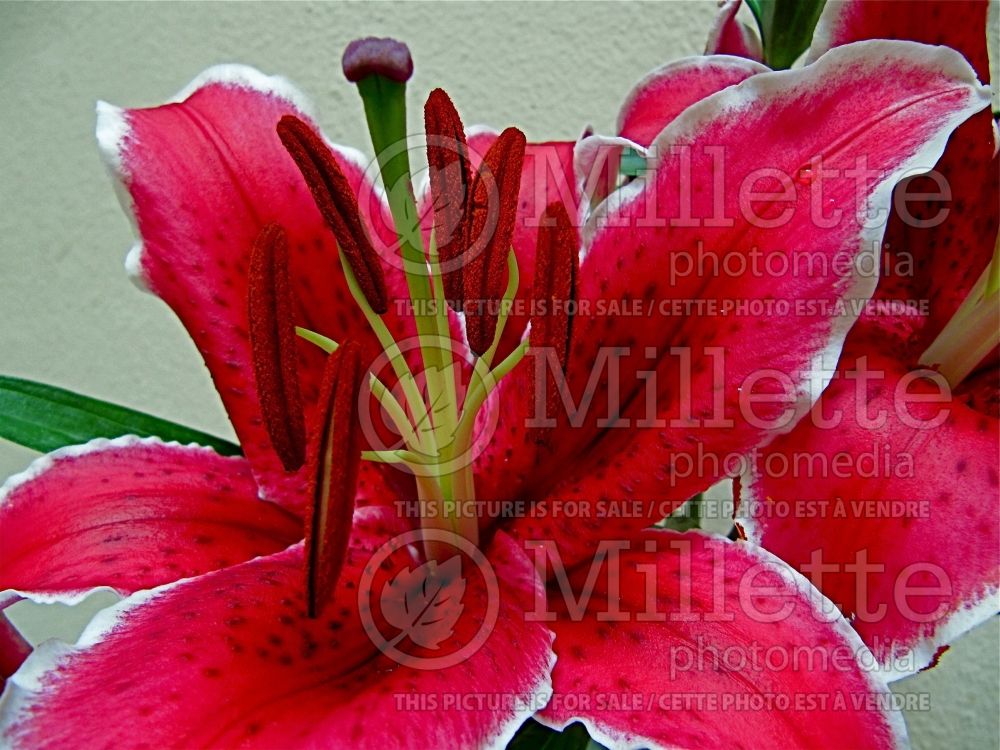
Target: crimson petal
x=707 y=417
x=652 y=104
x=959 y=24
x=688 y=640
x=892 y=512
x=202 y=176
x=131 y=513
x=231 y=659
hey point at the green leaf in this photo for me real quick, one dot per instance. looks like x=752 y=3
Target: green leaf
x=786 y=28
x=44 y=418
x=686 y=517
x=534 y=736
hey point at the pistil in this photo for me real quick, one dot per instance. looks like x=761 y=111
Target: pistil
x=380 y=68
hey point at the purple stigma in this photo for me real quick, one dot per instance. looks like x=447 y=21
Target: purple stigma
x=373 y=56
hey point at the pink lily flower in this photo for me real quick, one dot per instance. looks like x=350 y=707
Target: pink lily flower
x=827 y=521
x=937 y=461
x=222 y=641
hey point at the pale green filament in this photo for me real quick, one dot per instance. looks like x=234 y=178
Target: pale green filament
x=328 y=345
x=379 y=390
x=973 y=331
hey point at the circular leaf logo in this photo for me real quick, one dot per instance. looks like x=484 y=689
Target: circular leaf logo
x=433 y=614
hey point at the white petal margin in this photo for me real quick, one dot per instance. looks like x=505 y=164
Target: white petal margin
x=113 y=134
x=731 y=101
x=826 y=29
x=902 y=662
x=542 y=693
x=27 y=683
x=593 y=151
x=823 y=611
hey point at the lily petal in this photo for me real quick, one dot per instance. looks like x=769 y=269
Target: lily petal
x=662 y=94
x=131 y=513
x=652 y=104
x=201 y=177
x=939 y=254
x=911 y=498
x=730 y=36
x=959 y=24
x=689 y=640
x=172 y=659
x=634 y=259
x=931 y=259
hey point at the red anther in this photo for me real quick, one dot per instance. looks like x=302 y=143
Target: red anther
x=272 y=346
x=338 y=204
x=490 y=225
x=557 y=265
x=335 y=455
x=374 y=56
x=451 y=175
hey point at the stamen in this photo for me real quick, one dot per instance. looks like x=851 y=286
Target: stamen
x=375 y=56
x=272 y=346
x=338 y=205
x=557 y=264
x=333 y=471
x=492 y=211
x=450 y=175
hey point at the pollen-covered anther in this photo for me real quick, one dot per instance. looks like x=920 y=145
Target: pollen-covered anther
x=338 y=205
x=450 y=178
x=272 y=346
x=557 y=265
x=335 y=455
x=490 y=228
x=385 y=57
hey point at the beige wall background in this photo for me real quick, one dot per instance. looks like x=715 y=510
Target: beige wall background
x=68 y=314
